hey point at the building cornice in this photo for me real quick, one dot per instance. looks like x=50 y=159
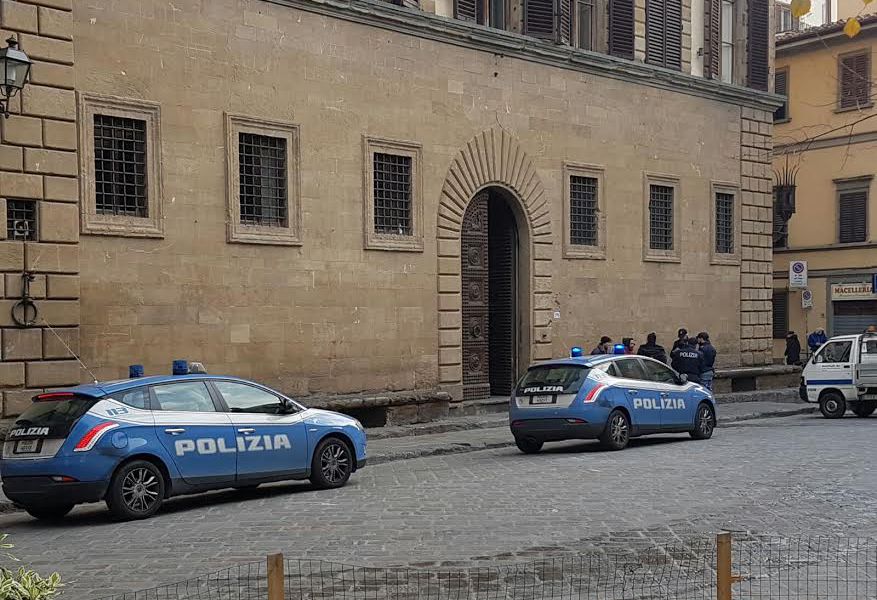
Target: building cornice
x=461 y=33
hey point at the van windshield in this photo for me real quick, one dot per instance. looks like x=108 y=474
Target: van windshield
x=51 y=418
x=559 y=379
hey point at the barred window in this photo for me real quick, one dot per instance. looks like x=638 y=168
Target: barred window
x=661 y=217
x=724 y=223
x=392 y=194
x=21 y=220
x=263 y=191
x=120 y=166
x=583 y=210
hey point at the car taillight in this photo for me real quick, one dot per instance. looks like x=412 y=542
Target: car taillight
x=594 y=392
x=63 y=479
x=94 y=434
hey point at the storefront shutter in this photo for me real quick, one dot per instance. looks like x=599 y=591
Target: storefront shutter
x=758 y=36
x=853 y=316
x=852 y=211
x=712 y=39
x=539 y=19
x=621 y=28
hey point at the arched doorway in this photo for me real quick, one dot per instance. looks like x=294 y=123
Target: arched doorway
x=489 y=266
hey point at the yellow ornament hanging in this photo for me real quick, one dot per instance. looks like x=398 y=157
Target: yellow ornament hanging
x=800 y=8
x=853 y=27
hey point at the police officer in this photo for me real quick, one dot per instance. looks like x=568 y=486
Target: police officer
x=687 y=359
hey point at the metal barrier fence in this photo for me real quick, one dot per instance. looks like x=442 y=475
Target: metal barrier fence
x=745 y=567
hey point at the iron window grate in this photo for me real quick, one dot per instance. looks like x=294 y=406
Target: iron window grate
x=21 y=220
x=583 y=210
x=120 y=166
x=263 y=180
x=392 y=194
x=661 y=217
x=724 y=223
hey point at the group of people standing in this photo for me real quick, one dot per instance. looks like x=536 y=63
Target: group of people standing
x=814 y=342
x=694 y=357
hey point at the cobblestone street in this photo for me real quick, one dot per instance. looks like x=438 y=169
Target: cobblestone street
x=790 y=476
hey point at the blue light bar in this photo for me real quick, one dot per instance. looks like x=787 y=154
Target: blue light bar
x=135 y=371
x=576 y=352
x=618 y=349
x=180 y=367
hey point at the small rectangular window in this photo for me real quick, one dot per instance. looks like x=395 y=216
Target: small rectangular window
x=781 y=88
x=728 y=41
x=583 y=218
x=852 y=216
x=855 y=80
x=780 y=301
x=585 y=24
x=21 y=220
x=263 y=177
x=724 y=223
x=661 y=217
x=120 y=166
x=392 y=194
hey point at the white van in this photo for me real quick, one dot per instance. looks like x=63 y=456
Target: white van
x=843 y=374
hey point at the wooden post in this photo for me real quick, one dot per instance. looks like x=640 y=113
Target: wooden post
x=275 y=577
x=724 y=579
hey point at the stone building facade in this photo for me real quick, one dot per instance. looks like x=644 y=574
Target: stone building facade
x=347 y=196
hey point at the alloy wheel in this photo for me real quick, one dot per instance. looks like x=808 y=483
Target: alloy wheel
x=705 y=422
x=140 y=489
x=335 y=462
x=619 y=430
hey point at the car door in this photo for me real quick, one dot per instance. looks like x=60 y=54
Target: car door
x=676 y=412
x=833 y=366
x=195 y=432
x=644 y=400
x=272 y=441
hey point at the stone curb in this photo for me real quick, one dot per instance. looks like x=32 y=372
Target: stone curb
x=460 y=448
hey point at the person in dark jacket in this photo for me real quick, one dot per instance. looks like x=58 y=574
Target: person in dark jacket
x=681 y=336
x=709 y=359
x=652 y=349
x=816 y=339
x=604 y=347
x=687 y=360
x=793 y=349
x=629 y=345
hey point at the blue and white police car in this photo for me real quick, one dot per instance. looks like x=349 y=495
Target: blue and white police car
x=609 y=397
x=136 y=442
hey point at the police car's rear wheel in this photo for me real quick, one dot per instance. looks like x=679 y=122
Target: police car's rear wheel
x=832 y=405
x=332 y=464
x=136 y=491
x=528 y=445
x=704 y=423
x=617 y=432
x=49 y=513
x=864 y=409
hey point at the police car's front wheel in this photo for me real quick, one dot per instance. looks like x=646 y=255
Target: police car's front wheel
x=617 y=432
x=332 y=464
x=136 y=491
x=704 y=423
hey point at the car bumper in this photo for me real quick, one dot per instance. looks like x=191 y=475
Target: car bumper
x=42 y=490
x=555 y=430
x=361 y=462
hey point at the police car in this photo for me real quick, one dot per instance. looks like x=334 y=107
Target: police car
x=135 y=442
x=609 y=397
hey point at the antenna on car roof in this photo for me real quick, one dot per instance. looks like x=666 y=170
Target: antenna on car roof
x=72 y=353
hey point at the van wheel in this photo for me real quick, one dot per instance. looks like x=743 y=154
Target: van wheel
x=832 y=405
x=864 y=409
x=136 y=491
x=49 y=513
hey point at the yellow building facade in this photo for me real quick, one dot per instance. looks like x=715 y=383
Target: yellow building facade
x=825 y=146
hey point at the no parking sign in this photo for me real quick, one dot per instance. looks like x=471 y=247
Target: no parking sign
x=806 y=299
x=798 y=274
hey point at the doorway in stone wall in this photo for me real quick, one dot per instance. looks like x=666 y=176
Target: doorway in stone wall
x=489 y=270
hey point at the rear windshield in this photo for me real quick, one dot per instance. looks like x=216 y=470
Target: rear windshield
x=51 y=418
x=553 y=379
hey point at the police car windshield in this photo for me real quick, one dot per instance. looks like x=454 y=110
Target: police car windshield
x=569 y=377
x=58 y=415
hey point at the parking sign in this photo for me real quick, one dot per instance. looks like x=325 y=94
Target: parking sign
x=806 y=299
x=798 y=274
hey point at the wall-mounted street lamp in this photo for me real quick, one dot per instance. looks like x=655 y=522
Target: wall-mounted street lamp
x=15 y=69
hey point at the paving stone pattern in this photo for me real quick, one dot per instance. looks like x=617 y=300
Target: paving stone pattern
x=792 y=476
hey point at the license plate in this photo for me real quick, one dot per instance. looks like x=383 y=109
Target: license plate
x=27 y=446
x=542 y=400
x=869 y=397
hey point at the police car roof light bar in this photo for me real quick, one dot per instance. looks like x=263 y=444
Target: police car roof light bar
x=576 y=352
x=619 y=349
x=135 y=371
x=180 y=367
